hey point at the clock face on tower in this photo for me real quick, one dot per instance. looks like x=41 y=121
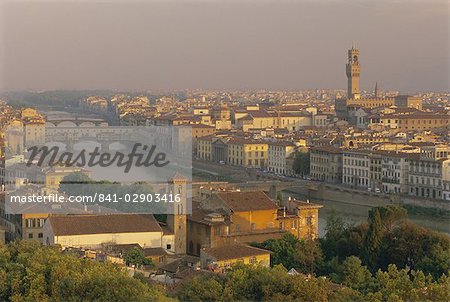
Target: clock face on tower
x=355 y=59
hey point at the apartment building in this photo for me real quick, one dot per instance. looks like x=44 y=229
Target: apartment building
x=426 y=178
x=422 y=121
x=395 y=171
x=262 y=119
x=32 y=226
x=227 y=218
x=435 y=151
x=356 y=168
x=34 y=132
x=278 y=153
x=247 y=153
x=429 y=175
x=200 y=130
x=204 y=147
x=375 y=177
x=363 y=141
x=326 y=164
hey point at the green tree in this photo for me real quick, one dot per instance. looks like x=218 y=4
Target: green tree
x=410 y=245
x=308 y=256
x=373 y=239
x=301 y=163
x=32 y=272
x=335 y=230
x=342 y=240
x=204 y=288
x=283 y=250
x=135 y=256
x=303 y=255
x=354 y=274
x=249 y=283
x=75 y=183
x=392 y=215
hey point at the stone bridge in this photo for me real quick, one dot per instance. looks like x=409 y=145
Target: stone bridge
x=270 y=187
x=105 y=136
x=76 y=122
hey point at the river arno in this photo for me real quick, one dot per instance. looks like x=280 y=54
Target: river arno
x=355 y=214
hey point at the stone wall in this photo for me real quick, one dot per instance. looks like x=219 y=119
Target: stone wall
x=352 y=196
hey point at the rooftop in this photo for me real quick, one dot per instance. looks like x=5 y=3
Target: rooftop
x=247 y=201
x=103 y=224
x=234 y=251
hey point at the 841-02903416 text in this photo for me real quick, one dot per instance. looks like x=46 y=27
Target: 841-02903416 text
x=156 y=197
x=99 y=197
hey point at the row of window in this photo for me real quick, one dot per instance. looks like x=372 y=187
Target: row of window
x=319 y=159
x=356 y=162
x=356 y=172
x=425 y=192
x=31 y=235
x=424 y=180
x=442 y=121
x=356 y=181
x=34 y=222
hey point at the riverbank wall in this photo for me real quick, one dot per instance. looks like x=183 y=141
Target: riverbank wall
x=351 y=196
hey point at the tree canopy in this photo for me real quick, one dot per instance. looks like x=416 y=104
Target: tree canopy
x=246 y=283
x=301 y=163
x=136 y=257
x=388 y=238
x=32 y=272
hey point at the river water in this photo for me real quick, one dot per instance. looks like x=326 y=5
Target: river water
x=356 y=214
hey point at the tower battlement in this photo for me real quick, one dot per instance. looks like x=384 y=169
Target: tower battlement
x=353 y=71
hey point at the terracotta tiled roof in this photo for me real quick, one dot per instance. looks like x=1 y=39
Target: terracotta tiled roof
x=234 y=252
x=155 y=251
x=247 y=201
x=328 y=149
x=103 y=224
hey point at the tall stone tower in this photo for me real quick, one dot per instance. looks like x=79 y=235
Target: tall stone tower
x=353 y=72
x=177 y=221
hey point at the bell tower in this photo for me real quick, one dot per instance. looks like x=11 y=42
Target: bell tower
x=353 y=71
x=177 y=221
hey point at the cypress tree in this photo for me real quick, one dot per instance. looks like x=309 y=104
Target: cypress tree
x=372 y=241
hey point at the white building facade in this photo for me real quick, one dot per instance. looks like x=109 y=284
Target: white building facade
x=356 y=169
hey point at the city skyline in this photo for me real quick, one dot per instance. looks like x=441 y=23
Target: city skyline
x=217 y=45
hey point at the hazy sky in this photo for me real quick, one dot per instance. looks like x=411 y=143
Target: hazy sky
x=224 y=44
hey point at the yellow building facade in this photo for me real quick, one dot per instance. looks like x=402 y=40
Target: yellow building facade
x=247 y=153
x=223 y=258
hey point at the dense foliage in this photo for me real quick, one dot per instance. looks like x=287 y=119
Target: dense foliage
x=302 y=255
x=244 y=283
x=385 y=259
x=32 y=272
x=388 y=238
x=136 y=257
x=301 y=163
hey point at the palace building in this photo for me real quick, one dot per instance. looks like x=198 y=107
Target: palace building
x=346 y=107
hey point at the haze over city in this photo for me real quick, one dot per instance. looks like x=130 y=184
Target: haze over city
x=155 y=45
